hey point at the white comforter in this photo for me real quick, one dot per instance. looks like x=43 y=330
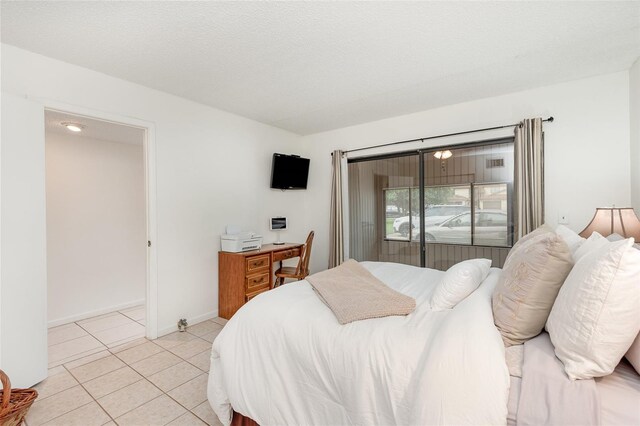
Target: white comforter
x=284 y=359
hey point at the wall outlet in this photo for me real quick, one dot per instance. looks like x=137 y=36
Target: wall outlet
x=563 y=218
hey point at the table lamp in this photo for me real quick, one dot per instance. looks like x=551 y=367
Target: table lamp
x=614 y=220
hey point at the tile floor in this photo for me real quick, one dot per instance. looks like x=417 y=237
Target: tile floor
x=93 y=335
x=103 y=371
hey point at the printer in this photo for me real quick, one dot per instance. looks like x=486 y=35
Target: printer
x=235 y=241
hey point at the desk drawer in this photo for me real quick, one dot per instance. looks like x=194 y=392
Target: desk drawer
x=286 y=254
x=255 y=282
x=256 y=263
x=252 y=295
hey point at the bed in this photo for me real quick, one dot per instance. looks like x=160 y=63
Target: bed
x=618 y=394
x=284 y=359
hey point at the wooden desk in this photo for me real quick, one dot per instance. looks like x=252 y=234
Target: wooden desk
x=242 y=276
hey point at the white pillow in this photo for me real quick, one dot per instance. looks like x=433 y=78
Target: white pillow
x=571 y=237
x=615 y=237
x=594 y=319
x=458 y=282
x=593 y=243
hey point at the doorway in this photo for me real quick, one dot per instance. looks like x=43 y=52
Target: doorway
x=98 y=235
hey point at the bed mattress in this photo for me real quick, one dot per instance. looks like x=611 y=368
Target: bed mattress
x=283 y=358
x=619 y=394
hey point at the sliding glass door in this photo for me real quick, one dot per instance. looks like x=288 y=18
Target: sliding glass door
x=433 y=208
x=384 y=209
x=469 y=192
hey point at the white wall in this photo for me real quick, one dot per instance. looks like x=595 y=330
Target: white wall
x=586 y=151
x=96 y=226
x=213 y=168
x=634 y=114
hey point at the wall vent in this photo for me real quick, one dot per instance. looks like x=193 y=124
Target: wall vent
x=492 y=163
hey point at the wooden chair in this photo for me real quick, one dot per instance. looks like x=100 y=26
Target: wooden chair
x=302 y=270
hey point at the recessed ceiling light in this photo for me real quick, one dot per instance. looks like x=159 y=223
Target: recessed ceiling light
x=74 y=127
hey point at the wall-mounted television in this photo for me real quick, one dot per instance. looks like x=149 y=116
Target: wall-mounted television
x=289 y=172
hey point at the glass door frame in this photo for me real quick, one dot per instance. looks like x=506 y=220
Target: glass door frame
x=421 y=176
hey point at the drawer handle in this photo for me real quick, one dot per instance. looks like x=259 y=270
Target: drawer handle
x=258 y=280
x=258 y=263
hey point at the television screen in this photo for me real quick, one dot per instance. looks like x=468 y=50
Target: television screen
x=289 y=172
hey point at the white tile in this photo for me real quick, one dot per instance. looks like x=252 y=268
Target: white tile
x=63 y=333
x=128 y=345
x=75 y=357
x=56 y=405
x=192 y=393
x=174 y=376
x=210 y=337
x=204 y=327
x=156 y=363
x=87 y=359
x=97 y=368
x=142 y=322
x=202 y=360
x=123 y=342
x=139 y=352
x=128 y=398
x=55 y=370
x=111 y=382
x=205 y=413
x=58 y=380
x=74 y=349
x=160 y=411
x=88 y=415
x=220 y=321
x=136 y=313
x=191 y=348
x=104 y=322
x=187 y=419
x=129 y=331
x=174 y=339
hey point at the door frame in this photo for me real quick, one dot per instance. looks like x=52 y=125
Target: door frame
x=149 y=150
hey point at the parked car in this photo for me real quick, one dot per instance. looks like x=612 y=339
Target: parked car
x=434 y=215
x=491 y=229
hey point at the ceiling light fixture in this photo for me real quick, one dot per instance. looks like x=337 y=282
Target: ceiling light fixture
x=442 y=154
x=74 y=127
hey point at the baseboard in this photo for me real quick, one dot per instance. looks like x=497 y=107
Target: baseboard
x=94 y=313
x=190 y=320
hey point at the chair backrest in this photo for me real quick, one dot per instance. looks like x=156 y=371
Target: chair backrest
x=305 y=254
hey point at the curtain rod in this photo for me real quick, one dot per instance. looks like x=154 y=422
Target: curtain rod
x=550 y=120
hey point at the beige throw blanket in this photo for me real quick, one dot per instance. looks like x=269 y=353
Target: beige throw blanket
x=353 y=294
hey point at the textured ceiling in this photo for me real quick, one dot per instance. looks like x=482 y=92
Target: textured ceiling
x=315 y=66
x=94 y=129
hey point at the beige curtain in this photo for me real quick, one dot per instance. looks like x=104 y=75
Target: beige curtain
x=529 y=177
x=336 y=227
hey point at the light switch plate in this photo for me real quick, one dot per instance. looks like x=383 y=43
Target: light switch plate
x=563 y=218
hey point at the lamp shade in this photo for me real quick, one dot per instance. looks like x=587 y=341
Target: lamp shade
x=607 y=221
